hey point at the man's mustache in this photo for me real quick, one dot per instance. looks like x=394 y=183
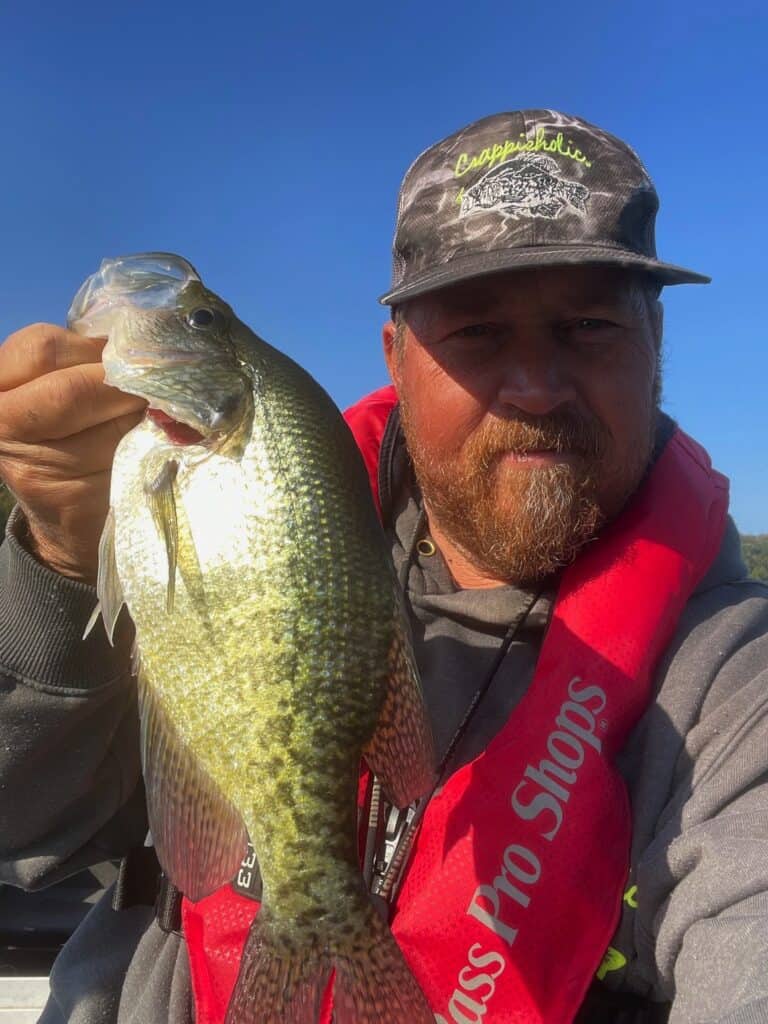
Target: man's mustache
x=563 y=431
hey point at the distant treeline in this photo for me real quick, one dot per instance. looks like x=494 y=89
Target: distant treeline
x=755 y=550
x=754 y=546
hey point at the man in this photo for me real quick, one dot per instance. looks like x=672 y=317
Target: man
x=580 y=615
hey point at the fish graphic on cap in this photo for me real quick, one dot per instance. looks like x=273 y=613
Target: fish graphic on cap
x=526 y=186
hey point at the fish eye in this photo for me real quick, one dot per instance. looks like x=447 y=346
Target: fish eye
x=202 y=317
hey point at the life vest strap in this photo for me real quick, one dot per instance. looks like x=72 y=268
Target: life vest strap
x=141 y=882
x=138 y=879
x=168 y=906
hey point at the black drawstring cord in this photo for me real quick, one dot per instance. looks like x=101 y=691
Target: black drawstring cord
x=386 y=886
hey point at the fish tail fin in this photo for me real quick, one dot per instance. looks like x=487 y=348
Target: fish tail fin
x=362 y=979
x=279 y=982
x=577 y=194
x=373 y=984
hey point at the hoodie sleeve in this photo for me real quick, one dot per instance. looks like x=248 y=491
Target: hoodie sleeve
x=70 y=784
x=701 y=925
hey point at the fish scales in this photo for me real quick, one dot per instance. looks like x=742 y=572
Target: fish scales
x=255 y=571
x=302 y=603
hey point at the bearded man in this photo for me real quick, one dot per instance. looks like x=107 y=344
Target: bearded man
x=593 y=657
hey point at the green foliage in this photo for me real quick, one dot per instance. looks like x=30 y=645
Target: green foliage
x=7 y=502
x=755 y=550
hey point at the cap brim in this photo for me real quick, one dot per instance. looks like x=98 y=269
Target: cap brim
x=478 y=265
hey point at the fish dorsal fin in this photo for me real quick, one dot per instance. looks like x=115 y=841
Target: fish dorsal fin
x=108 y=587
x=544 y=163
x=199 y=836
x=162 y=505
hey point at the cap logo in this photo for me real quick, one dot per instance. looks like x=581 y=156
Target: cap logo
x=526 y=186
x=501 y=151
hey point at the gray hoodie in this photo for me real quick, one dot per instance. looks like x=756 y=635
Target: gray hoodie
x=694 y=927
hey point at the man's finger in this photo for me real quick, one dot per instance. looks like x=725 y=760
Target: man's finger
x=81 y=455
x=42 y=349
x=61 y=404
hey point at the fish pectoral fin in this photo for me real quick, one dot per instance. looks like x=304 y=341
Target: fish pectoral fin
x=198 y=833
x=162 y=505
x=92 y=621
x=290 y=982
x=401 y=752
x=108 y=586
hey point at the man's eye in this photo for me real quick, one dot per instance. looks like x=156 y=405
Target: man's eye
x=475 y=331
x=589 y=323
x=590 y=328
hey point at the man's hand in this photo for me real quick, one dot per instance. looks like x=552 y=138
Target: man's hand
x=59 y=427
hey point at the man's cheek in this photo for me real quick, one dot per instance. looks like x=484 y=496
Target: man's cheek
x=443 y=426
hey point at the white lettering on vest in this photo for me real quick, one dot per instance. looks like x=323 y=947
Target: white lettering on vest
x=491 y=919
x=470 y=981
x=461 y=1002
x=545 y=789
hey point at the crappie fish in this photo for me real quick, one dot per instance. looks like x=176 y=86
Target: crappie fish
x=271 y=648
x=530 y=185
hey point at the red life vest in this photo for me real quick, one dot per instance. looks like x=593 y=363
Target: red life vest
x=514 y=886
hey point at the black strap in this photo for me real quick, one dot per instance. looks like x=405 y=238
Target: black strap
x=168 y=906
x=138 y=879
x=141 y=883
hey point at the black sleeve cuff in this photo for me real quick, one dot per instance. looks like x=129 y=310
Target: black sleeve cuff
x=42 y=620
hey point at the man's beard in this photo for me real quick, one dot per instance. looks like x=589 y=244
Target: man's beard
x=522 y=524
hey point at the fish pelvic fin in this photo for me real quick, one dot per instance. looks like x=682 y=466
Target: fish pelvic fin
x=360 y=979
x=199 y=835
x=108 y=587
x=162 y=505
x=401 y=752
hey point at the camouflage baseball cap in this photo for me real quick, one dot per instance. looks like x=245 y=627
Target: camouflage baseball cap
x=530 y=188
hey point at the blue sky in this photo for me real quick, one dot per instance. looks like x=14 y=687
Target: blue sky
x=266 y=144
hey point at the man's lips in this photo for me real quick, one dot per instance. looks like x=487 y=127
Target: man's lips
x=538 y=457
x=177 y=432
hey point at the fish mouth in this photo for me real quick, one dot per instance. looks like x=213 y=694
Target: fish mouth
x=176 y=431
x=184 y=426
x=145 y=359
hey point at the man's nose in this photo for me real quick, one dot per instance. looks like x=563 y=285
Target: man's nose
x=535 y=377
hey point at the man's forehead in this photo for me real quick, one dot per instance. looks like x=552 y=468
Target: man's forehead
x=548 y=285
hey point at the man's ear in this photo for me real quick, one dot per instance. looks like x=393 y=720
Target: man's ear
x=391 y=355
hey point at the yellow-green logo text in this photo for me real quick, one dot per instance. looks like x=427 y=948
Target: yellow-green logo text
x=501 y=151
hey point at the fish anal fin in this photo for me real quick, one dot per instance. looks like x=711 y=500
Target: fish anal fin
x=363 y=977
x=401 y=751
x=199 y=835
